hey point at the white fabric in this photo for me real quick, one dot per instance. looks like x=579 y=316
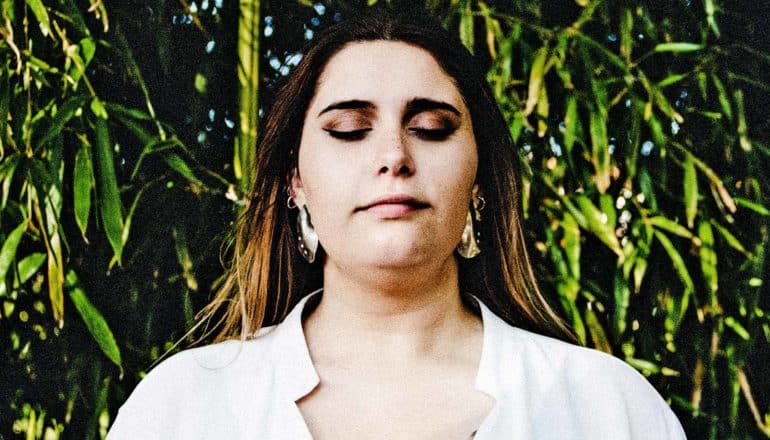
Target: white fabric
x=544 y=389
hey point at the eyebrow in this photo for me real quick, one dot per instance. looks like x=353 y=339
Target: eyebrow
x=413 y=107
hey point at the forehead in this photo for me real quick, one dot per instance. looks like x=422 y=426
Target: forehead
x=384 y=72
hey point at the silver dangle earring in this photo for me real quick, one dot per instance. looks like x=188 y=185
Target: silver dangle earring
x=469 y=246
x=307 y=238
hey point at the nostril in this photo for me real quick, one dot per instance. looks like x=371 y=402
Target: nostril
x=404 y=170
x=383 y=170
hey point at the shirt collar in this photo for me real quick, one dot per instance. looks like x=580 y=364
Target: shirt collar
x=297 y=376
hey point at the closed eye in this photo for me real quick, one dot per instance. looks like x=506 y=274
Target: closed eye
x=433 y=134
x=351 y=135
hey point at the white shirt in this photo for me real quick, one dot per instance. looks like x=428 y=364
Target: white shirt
x=544 y=389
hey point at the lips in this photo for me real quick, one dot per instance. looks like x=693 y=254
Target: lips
x=393 y=206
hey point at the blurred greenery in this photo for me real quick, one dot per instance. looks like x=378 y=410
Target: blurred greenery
x=126 y=133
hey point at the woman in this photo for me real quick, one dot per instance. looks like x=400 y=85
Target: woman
x=387 y=182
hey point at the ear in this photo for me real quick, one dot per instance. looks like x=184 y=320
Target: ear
x=296 y=189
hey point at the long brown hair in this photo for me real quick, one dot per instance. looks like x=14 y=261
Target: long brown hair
x=267 y=277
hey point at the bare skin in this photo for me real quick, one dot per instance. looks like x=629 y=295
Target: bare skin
x=396 y=350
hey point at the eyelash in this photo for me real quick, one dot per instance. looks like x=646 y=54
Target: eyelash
x=437 y=134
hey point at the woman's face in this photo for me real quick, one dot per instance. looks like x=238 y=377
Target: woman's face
x=387 y=158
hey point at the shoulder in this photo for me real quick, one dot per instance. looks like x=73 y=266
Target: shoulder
x=581 y=386
x=193 y=382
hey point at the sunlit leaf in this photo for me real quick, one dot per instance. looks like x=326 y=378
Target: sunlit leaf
x=756 y=207
x=731 y=239
x=63 y=115
x=622 y=297
x=176 y=163
x=708 y=260
x=30 y=265
x=669 y=225
x=8 y=250
x=600 y=152
x=724 y=100
x=690 y=180
x=111 y=207
x=597 y=223
x=83 y=180
x=38 y=9
x=596 y=331
x=93 y=319
x=678 y=47
x=536 y=75
x=466 y=27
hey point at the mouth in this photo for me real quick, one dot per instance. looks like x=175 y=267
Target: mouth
x=394 y=206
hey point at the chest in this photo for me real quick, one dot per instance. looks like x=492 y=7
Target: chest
x=397 y=406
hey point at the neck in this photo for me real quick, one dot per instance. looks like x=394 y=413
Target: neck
x=402 y=313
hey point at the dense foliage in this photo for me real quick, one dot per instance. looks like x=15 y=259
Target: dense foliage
x=126 y=130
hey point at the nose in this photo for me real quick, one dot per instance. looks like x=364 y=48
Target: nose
x=394 y=157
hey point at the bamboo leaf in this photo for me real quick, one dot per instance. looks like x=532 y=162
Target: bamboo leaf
x=29 y=266
x=41 y=15
x=83 y=179
x=708 y=261
x=676 y=259
x=739 y=329
x=676 y=305
x=669 y=225
x=176 y=163
x=466 y=27
x=626 y=34
x=111 y=207
x=597 y=223
x=690 y=180
x=536 y=76
x=8 y=250
x=678 y=47
x=596 y=331
x=62 y=116
x=724 y=100
x=7 y=169
x=731 y=239
x=571 y=122
x=756 y=207
x=600 y=152
x=93 y=319
x=622 y=296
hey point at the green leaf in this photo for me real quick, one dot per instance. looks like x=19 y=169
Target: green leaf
x=176 y=163
x=600 y=152
x=83 y=180
x=672 y=79
x=756 y=207
x=571 y=122
x=597 y=332
x=708 y=261
x=88 y=49
x=677 y=305
x=670 y=225
x=535 y=80
x=62 y=116
x=7 y=168
x=93 y=319
x=724 y=100
x=690 y=179
x=41 y=15
x=597 y=223
x=678 y=47
x=98 y=108
x=731 y=239
x=29 y=266
x=622 y=297
x=739 y=329
x=8 y=251
x=111 y=207
x=466 y=27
